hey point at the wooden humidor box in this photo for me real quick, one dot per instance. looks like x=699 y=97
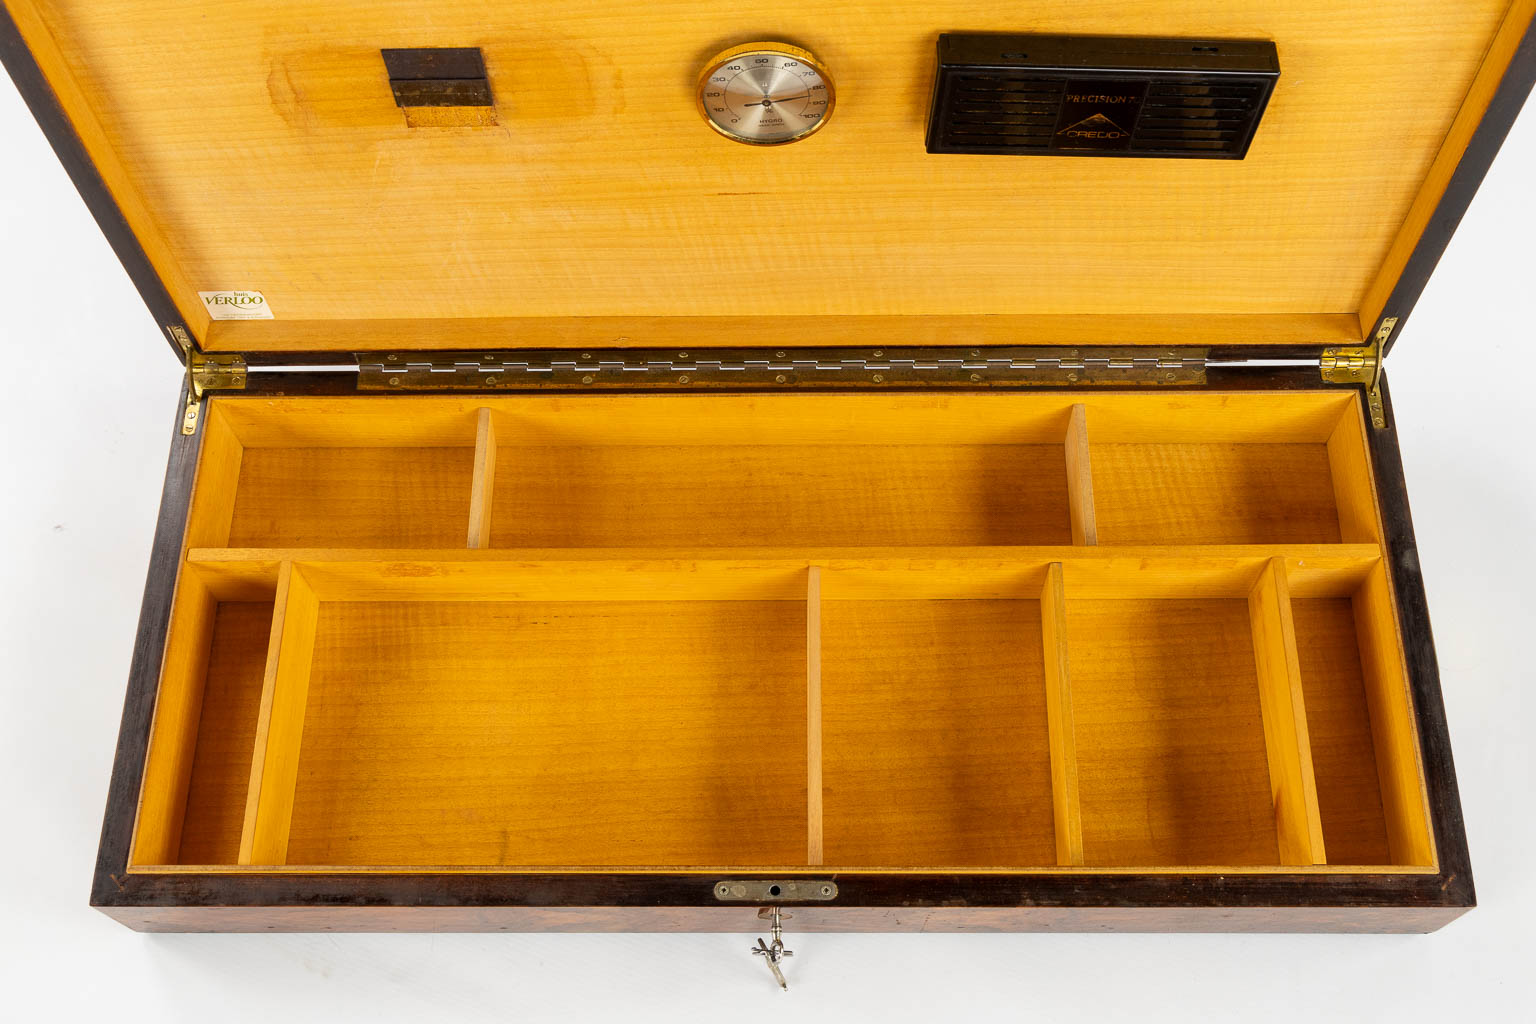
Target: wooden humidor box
x=617 y=528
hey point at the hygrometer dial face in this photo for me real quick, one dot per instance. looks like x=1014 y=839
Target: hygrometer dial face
x=766 y=94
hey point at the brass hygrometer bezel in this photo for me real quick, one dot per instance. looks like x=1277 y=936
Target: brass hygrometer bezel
x=773 y=48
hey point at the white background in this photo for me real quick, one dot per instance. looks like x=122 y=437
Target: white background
x=88 y=402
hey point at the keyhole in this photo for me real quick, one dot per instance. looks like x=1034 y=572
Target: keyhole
x=774 y=890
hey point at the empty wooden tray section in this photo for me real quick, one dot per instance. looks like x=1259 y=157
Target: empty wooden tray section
x=968 y=633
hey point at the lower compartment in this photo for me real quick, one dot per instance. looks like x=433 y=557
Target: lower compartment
x=934 y=737
x=1339 y=721
x=226 y=734
x=1030 y=710
x=1170 y=734
x=538 y=733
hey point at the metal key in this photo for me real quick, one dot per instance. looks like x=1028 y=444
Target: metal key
x=776 y=952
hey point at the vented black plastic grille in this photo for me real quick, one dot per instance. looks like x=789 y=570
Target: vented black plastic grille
x=1192 y=116
x=1095 y=100
x=1001 y=111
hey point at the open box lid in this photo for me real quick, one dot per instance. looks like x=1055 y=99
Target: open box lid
x=260 y=148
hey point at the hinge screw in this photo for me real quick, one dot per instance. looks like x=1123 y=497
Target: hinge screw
x=975 y=376
x=683 y=379
x=878 y=353
x=780 y=379
x=778 y=355
x=395 y=380
x=1072 y=377
x=682 y=355
x=879 y=379
x=587 y=379
x=392 y=357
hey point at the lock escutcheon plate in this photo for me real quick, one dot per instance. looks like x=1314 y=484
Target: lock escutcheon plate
x=793 y=890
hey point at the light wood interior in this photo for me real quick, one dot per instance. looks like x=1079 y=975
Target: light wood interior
x=268 y=154
x=798 y=632
x=551 y=733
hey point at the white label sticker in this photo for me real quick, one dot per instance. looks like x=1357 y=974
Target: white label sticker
x=237 y=305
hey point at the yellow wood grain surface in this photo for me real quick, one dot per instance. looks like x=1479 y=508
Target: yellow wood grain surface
x=217 y=483
x=174 y=731
x=691 y=333
x=1170 y=741
x=628 y=496
x=1171 y=416
x=1394 y=736
x=934 y=733
x=1354 y=486
x=271 y=156
x=221 y=773
x=486 y=733
x=362 y=496
x=1214 y=494
x=1339 y=723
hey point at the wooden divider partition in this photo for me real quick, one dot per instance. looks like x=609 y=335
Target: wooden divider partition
x=1299 y=826
x=1058 y=705
x=280 y=722
x=1268 y=578
x=814 y=804
x=483 y=489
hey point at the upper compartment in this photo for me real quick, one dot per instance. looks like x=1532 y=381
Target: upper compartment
x=260 y=147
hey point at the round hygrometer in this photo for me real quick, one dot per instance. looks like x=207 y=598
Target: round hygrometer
x=765 y=94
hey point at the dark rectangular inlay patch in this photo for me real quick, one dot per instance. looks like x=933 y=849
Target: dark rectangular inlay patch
x=438 y=77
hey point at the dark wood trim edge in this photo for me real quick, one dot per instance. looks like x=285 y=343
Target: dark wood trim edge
x=60 y=133
x=1407 y=575
x=144 y=671
x=1478 y=157
x=1410 y=893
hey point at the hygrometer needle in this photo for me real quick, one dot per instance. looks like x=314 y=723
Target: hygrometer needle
x=783 y=99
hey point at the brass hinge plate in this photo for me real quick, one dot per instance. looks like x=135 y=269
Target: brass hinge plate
x=1350 y=365
x=205 y=373
x=790 y=369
